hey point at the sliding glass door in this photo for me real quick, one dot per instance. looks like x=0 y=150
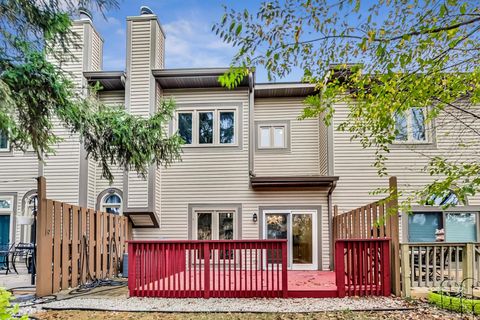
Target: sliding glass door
x=300 y=230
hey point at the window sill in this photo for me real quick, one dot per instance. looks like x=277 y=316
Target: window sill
x=273 y=150
x=413 y=145
x=6 y=153
x=193 y=146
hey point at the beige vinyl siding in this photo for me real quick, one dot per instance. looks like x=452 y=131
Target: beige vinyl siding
x=358 y=177
x=139 y=96
x=140 y=70
x=95 y=64
x=18 y=173
x=92 y=180
x=112 y=98
x=159 y=47
x=97 y=51
x=302 y=158
x=217 y=175
x=158 y=171
x=61 y=169
x=71 y=63
x=323 y=148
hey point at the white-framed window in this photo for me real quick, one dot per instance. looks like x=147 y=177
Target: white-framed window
x=214 y=225
x=411 y=126
x=205 y=127
x=112 y=203
x=272 y=136
x=4 y=143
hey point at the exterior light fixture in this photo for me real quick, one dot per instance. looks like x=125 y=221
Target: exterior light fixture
x=255 y=217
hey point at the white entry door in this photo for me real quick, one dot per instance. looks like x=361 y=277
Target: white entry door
x=299 y=227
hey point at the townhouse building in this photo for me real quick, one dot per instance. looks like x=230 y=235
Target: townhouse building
x=250 y=168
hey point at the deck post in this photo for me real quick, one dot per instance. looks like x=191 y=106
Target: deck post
x=406 y=270
x=131 y=270
x=392 y=212
x=468 y=266
x=206 y=271
x=284 y=270
x=386 y=268
x=340 y=267
x=44 y=284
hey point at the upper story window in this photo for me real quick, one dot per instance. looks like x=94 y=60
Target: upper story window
x=4 y=144
x=410 y=127
x=112 y=203
x=208 y=127
x=272 y=136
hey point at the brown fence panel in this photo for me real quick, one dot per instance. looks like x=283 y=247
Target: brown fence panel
x=75 y=245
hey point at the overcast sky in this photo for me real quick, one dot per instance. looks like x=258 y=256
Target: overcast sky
x=190 y=43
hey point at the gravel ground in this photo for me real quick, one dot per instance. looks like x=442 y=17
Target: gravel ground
x=223 y=305
x=417 y=314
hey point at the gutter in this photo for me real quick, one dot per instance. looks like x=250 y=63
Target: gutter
x=330 y=219
x=251 y=135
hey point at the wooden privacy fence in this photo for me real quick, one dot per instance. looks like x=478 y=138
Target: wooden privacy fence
x=362 y=267
x=377 y=220
x=440 y=264
x=75 y=244
x=211 y=268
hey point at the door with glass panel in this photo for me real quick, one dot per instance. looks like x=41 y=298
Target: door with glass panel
x=215 y=225
x=300 y=230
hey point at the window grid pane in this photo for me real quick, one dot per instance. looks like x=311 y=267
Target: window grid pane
x=401 y=131
x=422 y=226
x=461 y=227
x=279 y=137
x=417 y=118
x=205 y=127
x=204 y=226
x=227 y=127
x=264 y=137
x=3 y=141
x=185 y=127
x=225 y=226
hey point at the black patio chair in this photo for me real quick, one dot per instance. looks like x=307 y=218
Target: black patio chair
x=6 y=251
x=24 y=251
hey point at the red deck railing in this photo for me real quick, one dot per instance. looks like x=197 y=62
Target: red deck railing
x=362 y=267
x=204 y=269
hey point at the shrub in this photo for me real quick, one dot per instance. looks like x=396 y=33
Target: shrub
x=7 y=311
x=445 y=301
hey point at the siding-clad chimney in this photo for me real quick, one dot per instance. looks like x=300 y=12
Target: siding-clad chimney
x=145 y=51
x=67 y=168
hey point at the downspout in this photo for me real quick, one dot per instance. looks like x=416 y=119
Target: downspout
x=251 y=141
x=330 y=219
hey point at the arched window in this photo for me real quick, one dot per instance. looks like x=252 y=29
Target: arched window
x=112 y=203
x=446 y=198
x=25 y=220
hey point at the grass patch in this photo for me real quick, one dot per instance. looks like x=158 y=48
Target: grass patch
x=445 y=301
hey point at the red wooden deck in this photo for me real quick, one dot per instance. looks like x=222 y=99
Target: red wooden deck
x=312 y=284
x=301 y=284
x=253 y=268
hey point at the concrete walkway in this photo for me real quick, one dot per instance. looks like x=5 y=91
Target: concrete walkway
x=13 y=280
